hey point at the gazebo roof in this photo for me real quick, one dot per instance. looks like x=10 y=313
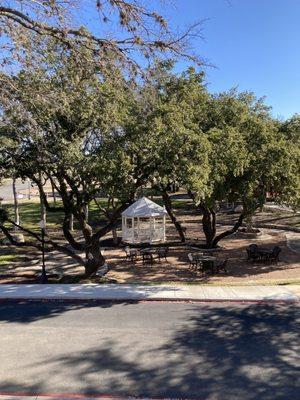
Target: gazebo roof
x=144 y=207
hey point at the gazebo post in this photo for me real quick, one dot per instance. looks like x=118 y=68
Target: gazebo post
x=150 y=230
x=132 y=228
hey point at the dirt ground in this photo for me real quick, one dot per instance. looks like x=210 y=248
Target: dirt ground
x=176 y=269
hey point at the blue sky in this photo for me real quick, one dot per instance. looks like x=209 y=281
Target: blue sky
x=253 y=44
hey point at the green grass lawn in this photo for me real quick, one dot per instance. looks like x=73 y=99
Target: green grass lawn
x=6 y=258
x=9 y=254
x=30 y=214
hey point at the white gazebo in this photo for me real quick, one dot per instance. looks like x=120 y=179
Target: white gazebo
x=144 y=222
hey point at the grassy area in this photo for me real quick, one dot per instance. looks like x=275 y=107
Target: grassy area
x=278 y=217
x=9 y=254
x=30 y=214
x=7 y=258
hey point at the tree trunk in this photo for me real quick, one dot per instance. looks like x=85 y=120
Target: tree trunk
x=53 y=192
x=114 y=229
x=16 y=203
x=249 y=223
x=86 y=212
x=115 y=235
x=208 y=224
x=43 y=200
x=42 y=210
x=229 y=232
x=28 y=189
x=71 y=223
x=94 y=257
x=169 y=208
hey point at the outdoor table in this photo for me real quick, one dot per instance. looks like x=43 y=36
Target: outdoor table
x=264 y=252
x=133 y=254
x=147 y=254
x=133 y=251
x=207 y=261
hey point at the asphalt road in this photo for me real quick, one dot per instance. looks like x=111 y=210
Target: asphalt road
x=203 y=351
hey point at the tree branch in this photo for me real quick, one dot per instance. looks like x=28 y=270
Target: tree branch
x=229 y=231
x=112 y=223
x=68 y=235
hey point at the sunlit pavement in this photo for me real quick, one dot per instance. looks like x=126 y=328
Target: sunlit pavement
x=149 y=292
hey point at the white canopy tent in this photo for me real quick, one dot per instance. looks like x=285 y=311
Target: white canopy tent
x=144 y=222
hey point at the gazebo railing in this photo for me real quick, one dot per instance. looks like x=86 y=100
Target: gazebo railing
x=143 y=235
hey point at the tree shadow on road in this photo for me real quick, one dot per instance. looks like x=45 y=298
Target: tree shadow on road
x=250 y=353
x=214 y=353
x=27 y=311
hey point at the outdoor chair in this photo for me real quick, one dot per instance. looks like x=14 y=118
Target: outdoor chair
x=130 y=255
x=222 y=266
x=252 y=252
x=192 y=262
x=195 y=264
x=162 y=252
x=147 y=258
x=274 y=257
x=127 y=252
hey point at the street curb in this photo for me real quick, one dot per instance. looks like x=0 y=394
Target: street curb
x=70 y=396
x=157 y=300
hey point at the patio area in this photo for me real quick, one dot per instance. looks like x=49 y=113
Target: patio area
x=239 y=270
x=23 y=267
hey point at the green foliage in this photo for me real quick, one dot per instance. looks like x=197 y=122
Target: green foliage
x=164 y=139
x=250 y=157
x=95 y=131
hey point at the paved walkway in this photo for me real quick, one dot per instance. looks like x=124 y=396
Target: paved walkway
x=151 y=292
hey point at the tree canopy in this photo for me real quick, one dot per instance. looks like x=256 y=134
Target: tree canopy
x=139 y=29
x=92 y=129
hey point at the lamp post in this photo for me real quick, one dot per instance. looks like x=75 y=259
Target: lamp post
x=43 y=276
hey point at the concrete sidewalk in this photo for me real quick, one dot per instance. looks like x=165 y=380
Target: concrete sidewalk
x=121 y=292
